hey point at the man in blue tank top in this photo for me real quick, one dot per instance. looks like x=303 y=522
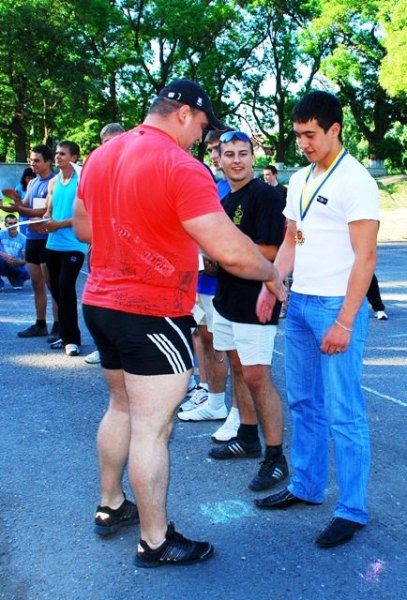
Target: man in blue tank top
x=64 y=252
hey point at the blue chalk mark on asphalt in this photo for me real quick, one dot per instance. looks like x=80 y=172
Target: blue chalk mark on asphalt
x=223 y=512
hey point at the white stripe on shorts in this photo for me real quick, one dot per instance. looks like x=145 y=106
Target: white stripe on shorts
x=169 y=350
x=182 y=336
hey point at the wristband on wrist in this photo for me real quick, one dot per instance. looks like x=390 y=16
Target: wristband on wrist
x=349 y=329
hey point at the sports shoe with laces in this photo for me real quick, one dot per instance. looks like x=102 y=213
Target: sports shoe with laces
x=236 y=449
x=227 y=431
x=271 y=472
x=175 y=550
x=109 y=520
x=204 y=413
x=197 y=397
x=381 y=315
x=58 y=345
x=33 y=331
x=72 y=350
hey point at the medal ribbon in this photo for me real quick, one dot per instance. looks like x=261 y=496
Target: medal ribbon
x=305 y=203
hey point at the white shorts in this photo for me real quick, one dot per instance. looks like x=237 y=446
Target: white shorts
x=203 y=311
x=253 y=343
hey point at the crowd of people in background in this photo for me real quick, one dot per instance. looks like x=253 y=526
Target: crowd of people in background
x=141 y=285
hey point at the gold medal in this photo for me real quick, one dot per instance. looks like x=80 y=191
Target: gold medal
x=299 y=237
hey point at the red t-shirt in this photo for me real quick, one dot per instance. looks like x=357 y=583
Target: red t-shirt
x=137 y=190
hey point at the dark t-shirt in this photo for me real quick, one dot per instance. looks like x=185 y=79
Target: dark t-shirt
x=255 y=210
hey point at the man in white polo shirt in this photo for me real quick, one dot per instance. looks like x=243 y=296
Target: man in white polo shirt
x=332 y=211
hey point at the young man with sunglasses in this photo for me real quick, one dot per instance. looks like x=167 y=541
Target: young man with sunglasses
x=253 y=206
x=330 y=245
x=146 y=204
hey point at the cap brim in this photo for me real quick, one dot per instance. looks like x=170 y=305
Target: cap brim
x=214 y=123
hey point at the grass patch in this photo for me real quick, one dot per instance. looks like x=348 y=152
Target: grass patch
x=393 y=195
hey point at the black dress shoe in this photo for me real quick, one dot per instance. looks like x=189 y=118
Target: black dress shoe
x=282 y=499
x=339 y=531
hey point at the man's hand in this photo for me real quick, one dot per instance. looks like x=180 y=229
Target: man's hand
x=211 y=267
x=11 y=193
x=270 y=292
x=335 y=340
x=42 y=227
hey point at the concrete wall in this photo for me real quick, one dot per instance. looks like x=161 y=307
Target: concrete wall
x=10 y=174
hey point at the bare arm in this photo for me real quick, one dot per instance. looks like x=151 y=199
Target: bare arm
x=81 y=222
x=284 y=262
x=270 y=252
x=22 y=206
x=234 y=251
x=363 y=235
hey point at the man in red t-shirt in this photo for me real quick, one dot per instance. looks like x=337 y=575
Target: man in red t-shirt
x=146 y=204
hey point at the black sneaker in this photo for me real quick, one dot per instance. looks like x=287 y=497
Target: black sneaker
x=236 y=449
x=57 y=345
x=33 y=331
x=270 y=473
x=54 y=334
x=109 y=520
x=176 y=550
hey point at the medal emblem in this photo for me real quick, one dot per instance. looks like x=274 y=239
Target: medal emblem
x=299 y=237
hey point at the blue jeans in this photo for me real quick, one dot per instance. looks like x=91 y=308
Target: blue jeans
x=325 y=396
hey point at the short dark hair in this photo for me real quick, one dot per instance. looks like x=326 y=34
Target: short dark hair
x=45 y=151
x=324 y=107
x=73 y=147
x=10 y=216
x=271 y=168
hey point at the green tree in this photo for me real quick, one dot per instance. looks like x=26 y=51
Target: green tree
x=393 y=70
x=278 y=68
x=45 y=72
x=356 y=53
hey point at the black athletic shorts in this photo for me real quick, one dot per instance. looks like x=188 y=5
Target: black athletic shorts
x=141 y=344
x=35 y=251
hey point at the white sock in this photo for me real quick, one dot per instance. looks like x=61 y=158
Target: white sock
x=234 y=413
x=203 y=385
x=216 y=401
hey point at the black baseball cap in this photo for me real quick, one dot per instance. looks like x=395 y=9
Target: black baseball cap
x=190 y=93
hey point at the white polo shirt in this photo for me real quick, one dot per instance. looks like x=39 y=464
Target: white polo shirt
x=323 y=262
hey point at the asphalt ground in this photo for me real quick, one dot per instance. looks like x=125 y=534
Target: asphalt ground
x=50 y=409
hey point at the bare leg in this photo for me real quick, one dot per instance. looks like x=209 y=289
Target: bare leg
x=267 y=402
x=113 y=440
x=40 y=293
x=216 y=366
x=199 y=353
x=241 y=393
x=153 y=401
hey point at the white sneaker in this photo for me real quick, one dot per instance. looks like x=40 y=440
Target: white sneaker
x=71 y=350
x=204 y=413
x=228 y=430
x=196 y=397
x=93 y=358
x=381 y=315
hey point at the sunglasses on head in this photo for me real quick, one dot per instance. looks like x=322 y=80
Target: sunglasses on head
x=234 y=135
